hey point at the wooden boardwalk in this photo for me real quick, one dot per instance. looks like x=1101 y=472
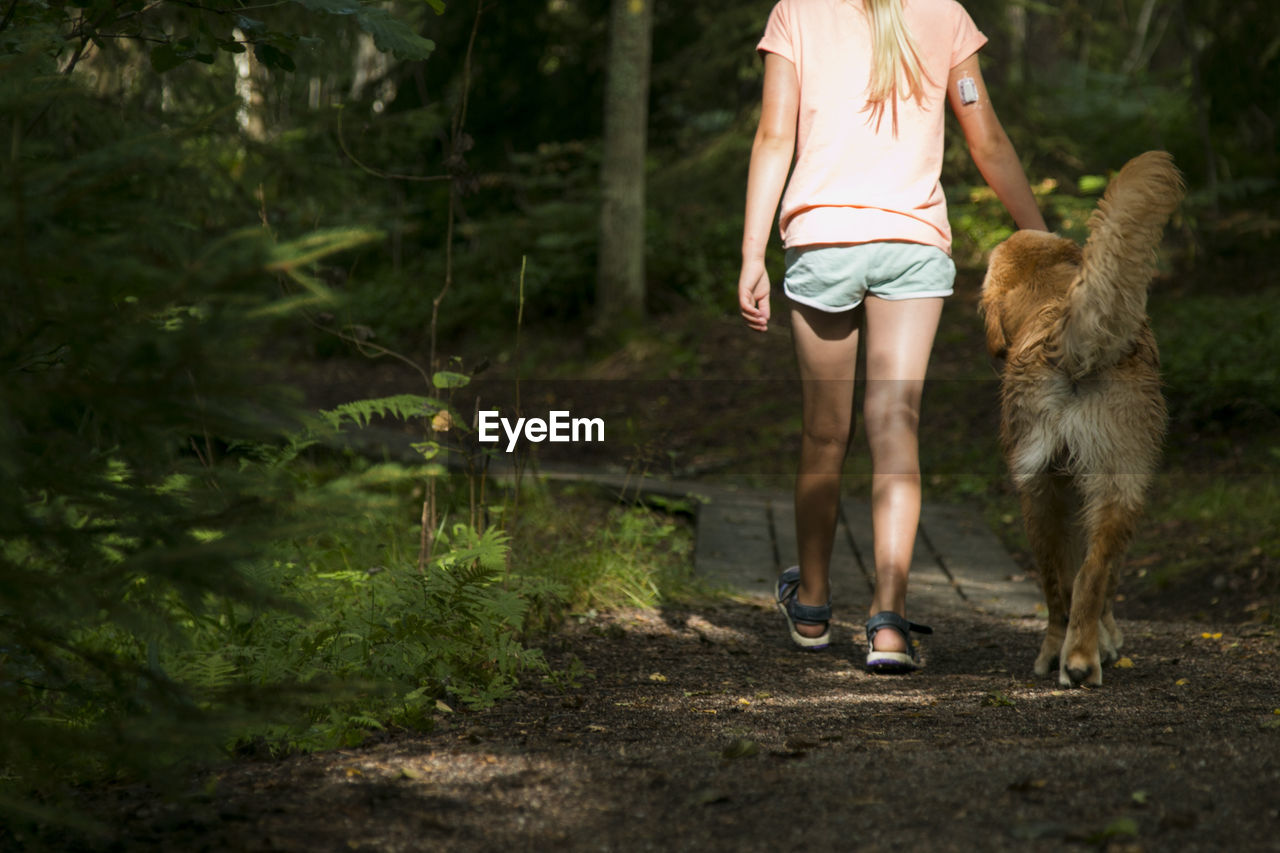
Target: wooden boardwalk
x=744 y=539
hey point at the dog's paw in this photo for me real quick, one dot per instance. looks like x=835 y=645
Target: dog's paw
x=1088 y=674
x=1046 y=665
x=1081 y=664
x=1050 y=648
x=1047 y=660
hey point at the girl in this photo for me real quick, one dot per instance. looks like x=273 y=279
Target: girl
x=854 y=90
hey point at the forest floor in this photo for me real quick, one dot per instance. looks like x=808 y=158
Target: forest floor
x=699 y=728
x=696 y=726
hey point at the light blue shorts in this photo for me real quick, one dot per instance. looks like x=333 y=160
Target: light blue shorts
x=838 y=277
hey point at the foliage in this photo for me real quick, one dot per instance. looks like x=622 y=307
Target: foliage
x=177 y=33
x=126 y=354
x=627 y=556
x=164 y=587
x=1212 y=377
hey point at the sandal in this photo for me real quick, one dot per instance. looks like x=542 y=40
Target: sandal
x=802 y=614
x=893 y=661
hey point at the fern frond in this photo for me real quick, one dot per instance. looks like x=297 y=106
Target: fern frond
x=404 y=407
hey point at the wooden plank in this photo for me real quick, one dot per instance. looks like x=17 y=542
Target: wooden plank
x=847 y=576
x=930 y=593
x=984 y=572
x=734 y=544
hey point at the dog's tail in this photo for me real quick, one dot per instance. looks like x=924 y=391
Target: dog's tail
x=1107 y=302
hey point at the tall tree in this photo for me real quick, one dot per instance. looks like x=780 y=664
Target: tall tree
x=620 y=271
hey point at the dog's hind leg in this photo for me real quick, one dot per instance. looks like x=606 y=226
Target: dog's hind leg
x=1110 y=637
x=1047 y=510
x=1109 y=522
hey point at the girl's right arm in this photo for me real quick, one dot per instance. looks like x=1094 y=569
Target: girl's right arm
x=989 y=146
x=771 y=156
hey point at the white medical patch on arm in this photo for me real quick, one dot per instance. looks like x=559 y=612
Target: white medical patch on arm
x=968 y=90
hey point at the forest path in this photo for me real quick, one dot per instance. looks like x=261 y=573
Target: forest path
x=746 y=537
x=700 y=727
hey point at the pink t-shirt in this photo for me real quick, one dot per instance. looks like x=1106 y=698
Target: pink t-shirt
x=853 y=182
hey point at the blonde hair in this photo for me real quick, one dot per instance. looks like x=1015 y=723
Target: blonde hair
x=892 y=47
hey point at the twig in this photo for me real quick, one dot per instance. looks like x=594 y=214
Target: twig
x=378 y=173
x=8 y=14
x=520 y=458
x=460 y=117
x=75 y=57
x=365 y=347
x=429 y=504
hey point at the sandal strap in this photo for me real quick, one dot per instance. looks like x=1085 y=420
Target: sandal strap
x=808 y=614
x=889 y=619
x=805 y=614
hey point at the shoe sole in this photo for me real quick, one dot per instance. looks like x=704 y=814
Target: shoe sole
x=891 y=662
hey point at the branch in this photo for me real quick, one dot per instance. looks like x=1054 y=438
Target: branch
x=371 y=350
x=132 y=37
x=460 y=117
x=342 y=143
x=75 y=57
x=8 y=14
x=192 y=5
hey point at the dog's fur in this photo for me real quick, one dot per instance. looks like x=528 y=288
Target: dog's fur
x=1082 y=412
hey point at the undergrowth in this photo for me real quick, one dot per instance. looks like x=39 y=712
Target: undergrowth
x=602 y=553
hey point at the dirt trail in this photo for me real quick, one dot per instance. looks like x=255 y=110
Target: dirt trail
x=701 y=729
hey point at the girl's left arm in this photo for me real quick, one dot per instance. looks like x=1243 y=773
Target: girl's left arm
x=771 y=156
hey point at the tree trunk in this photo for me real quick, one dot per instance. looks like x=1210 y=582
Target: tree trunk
x=250 y=77
x=1016 y=15
x=620 y=270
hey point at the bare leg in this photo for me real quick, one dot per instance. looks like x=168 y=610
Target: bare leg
x=899 y=338
x=827 y=351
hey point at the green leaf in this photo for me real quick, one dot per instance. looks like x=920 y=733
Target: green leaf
x=314 y=246
x=332 y=7
x=393 y=36
x=437 y=6
x=1120 y=826
x=740 y=748
x=390 y=35
x=273 y=57
x=250 y=25
x=428 y=449
x=1092 y=184
x=449 y=379
x=165 y=57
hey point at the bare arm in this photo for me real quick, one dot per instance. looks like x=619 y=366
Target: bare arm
x=771 y=156
x=989 y=145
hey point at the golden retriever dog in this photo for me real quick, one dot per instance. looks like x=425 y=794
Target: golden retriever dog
x=1082 y=416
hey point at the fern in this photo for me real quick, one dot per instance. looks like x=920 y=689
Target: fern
x=404 y=407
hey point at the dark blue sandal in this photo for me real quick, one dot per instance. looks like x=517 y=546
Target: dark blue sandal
x=802 y=614
x=893 y=661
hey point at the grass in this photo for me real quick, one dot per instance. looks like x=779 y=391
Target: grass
x=600 y=553
x=1216 y=527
